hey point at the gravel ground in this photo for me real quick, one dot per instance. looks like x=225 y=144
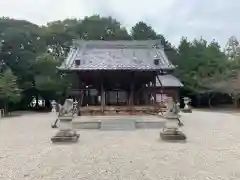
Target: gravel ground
x=212 y=151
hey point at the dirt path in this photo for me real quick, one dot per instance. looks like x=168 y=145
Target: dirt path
x=212 y=151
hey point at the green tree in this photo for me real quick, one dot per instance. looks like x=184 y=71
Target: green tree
x=199 y=61
x=49 y=83
x=9 y=91
x=21 y=42
x=59 y=35
x=142 y=31
x=101 y=28
x=227 y=79
x=47 y=77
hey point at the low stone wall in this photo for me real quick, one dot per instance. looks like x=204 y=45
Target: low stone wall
x=140 y=122
x=87 y=125
x=149 y=125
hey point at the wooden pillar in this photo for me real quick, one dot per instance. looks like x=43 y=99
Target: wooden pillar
x=154 y=93
x=132 y=95
x=80 y=94
x=102 y=97
x=148 y=91
x=154 y=89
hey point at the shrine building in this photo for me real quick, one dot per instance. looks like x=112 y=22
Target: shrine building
x=120 y=76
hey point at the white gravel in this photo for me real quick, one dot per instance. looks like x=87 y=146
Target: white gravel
x=212 y=151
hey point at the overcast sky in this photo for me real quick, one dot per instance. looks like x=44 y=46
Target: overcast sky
x=212 y=19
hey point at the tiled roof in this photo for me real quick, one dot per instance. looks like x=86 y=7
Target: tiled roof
x=116 y=55
x=168 y=81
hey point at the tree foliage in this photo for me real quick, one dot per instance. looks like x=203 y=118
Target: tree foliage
x=9 y=91
x=47 y=78
x=198 y=61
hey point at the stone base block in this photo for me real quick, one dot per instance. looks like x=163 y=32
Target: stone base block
x=172 y=135
x=187 y=110
x=54 y=126
x=65 y=136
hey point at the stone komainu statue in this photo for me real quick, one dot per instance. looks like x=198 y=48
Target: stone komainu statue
x=65 y=117
x=67 y=109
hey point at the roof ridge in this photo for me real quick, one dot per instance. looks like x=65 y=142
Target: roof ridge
x=119 y=44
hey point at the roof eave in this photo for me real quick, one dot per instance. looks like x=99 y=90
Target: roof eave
x=76 y=69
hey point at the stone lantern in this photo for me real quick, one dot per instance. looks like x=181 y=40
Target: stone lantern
x=54 y=106
x=187 y=108
x=171 y=131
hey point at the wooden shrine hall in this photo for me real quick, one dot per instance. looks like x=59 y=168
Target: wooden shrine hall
x=120 y=76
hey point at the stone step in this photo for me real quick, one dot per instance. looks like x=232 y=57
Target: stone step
x=115 y=125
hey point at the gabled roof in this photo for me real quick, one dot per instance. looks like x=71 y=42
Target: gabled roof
x=116 y=55
x=168 y=81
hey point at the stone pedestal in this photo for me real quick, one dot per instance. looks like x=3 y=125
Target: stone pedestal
x=66 y=132
x=65 y=123
x=172 y=135
x=171 y=124
x=187 y=110
x=171 y=131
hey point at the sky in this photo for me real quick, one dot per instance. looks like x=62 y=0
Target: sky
x=211 y=19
